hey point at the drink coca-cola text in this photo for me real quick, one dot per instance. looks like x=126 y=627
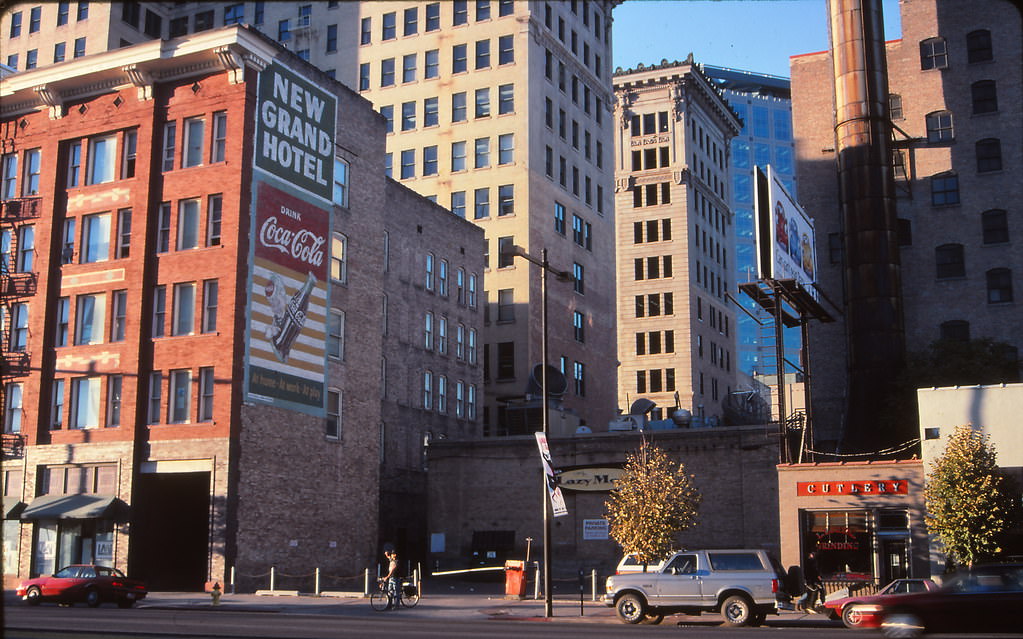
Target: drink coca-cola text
x=302 y=244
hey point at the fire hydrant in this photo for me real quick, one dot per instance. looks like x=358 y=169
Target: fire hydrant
x=215 y=593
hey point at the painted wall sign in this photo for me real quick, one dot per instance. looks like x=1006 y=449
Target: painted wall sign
x=296 y=123
x=868 y=487
x=586 y=478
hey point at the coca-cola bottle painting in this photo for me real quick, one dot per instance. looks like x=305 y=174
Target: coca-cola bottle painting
x=288 y=314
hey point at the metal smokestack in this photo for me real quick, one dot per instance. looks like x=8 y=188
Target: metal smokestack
x=874 y=317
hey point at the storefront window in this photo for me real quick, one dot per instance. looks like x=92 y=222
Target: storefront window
x=45 y=549
x=12 y=531
x=842 y=540
x=72 y=542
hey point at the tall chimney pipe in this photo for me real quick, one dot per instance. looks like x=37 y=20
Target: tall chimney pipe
x=875 y=333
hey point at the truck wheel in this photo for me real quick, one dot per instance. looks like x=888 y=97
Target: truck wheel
x=630 y=608
x=737 y=611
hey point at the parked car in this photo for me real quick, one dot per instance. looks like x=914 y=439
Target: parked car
x=844 y=608
x=631 y=563
x=743 y=585
x=987 y=598
x=83 y=582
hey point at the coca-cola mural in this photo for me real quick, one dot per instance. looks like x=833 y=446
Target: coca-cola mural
x=288 y=301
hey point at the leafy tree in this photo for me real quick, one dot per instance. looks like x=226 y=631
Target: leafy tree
x=969 y=503
x=654 y=500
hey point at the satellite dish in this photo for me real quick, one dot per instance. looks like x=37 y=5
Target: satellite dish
x=556 y=382
x=641 y=406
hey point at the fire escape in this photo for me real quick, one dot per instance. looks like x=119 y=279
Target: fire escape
x=17 y=284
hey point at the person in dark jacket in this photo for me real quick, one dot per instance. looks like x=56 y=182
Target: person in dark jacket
x=814 y=586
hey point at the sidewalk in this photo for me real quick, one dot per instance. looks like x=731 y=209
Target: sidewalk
x=462 y=602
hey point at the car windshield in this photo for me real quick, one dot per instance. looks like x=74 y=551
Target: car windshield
x=69 y=572
x=990 y=580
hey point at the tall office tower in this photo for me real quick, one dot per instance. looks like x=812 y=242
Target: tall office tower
x=957 y=108
x=501 y=112
x=676 y=239
x=764 y=104
x=207 y=356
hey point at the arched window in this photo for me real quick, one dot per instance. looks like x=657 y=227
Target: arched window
x=995 y=226
x=939 y=126
x=978 y=46
x=895 y=106
x=949 y=262
x=933 y=54
x=985 y=96
x=999 y=286
x=989 y=155
x=945 y=189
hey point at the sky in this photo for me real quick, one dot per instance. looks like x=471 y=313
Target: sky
x=749 y=35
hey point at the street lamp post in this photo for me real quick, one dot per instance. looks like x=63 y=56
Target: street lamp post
x=564 y=276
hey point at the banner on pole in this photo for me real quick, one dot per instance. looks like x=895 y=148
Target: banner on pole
x=557 y=499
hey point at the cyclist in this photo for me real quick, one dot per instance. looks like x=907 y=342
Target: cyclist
x=393 y=582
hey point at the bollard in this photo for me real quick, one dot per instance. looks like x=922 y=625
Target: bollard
x=272 y=577
x=317 y=582
x=582 y=589
x=365 y=586
x=232 y=580
x=215 y=593
x=593 y=576
x=536 y=580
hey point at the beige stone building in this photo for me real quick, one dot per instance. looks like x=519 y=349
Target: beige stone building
x=676 y=240
x=957 y=105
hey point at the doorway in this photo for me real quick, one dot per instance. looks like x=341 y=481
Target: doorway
x=895 y=558
x=171 y=530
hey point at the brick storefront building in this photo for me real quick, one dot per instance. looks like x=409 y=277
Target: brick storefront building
x=176 y=402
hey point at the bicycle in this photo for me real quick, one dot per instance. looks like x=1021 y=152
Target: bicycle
x=407 y=595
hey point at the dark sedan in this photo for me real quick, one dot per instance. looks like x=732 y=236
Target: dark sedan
x=985 y=599
x=83 y=582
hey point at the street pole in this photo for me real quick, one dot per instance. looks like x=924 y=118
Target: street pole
x=548 y=604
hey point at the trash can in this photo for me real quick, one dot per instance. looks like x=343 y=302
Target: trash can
x=515 y=578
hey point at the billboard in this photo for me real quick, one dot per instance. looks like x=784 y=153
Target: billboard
x=785 y=234
x=295 y=129
x=293 y=182
x=288 y=301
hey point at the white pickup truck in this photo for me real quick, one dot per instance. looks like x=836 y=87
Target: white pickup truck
x=743 y=585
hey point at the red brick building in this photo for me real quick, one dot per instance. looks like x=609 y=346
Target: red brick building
x=184 y=261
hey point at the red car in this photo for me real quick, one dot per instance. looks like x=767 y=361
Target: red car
x=844 y=608
x=83 y=582
x=987 y=598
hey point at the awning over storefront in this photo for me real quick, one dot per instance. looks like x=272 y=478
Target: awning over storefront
x=80 y=506
x=13 y=508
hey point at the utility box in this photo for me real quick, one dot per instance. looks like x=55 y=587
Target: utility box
x=515 y=579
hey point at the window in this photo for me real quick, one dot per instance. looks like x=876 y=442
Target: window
x=26 y=249
x=214 y=210
x=482 y=10
x=471 y=296
x=458 y=156
x=431 y=112
x=506 y=148
x=505 y=360
x=388 y=30
x=505 y=49
x=32 y=59
x=506 y=99
x=163 y=226
x=180 y=396
x=129 y=154
x=339 y=258
x=442 y=279
x=472 y=345
x=206 y=388
x=579 y=378
x=184 y=309
x=999 y=286
x=506 y=305
x=460 y=59
x=579 y=326
x=442 y=334
x=336 y=334
x=90 y=319
x=130 y=13
x=366 y=31
x=949 y=261
x=430 y=160
x=458 y=203
x=154 y=24
x=429 y=271
x=204 y=21
x=169 y=135
x=978 y=46
x=210 y=292
x=85 y=402
x=408 y=116
x=985 y=97
x=482 y=54
x=102 y=159
x=482 y=158
x=63 y=10
x=95 y=238
x=18 y=327
x=433 y=16
x=364 y=76
x=120 y=314
x=234 y=14
x=559 y=218
x=332 y=429
x=219 y=136
x=505 y=199
x=481 y=203
x=188 y=224
x=387 y=72
x=579 y=278
x=505 y=254
x=505 y=7
x=995 y=225
x=577 y=229
x=431 y=64
x=482 y=103
x=341 y=171
x=155 y=393
x=179 y=26
x=13 y=408
x=30 y=185
x=283 y=30
x=159 y=310
x=411 y=21
x=955 y=330
x=945 y=189
x=939 y=126
x=63 y=313
x=16 y=24
x=933 y=54
x=458 y=107
x=461 y=12
x=57 y=405
x=427 y=390
x=408 y=68
x=10 y=176
x=895 y=106
x=59 y=52
x=989 y=155
x=83 y=11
